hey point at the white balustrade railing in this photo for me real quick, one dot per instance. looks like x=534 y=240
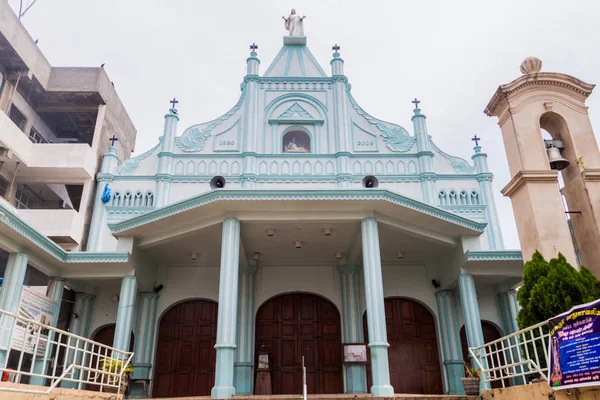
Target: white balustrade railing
x=30 y=350
x=516 y=358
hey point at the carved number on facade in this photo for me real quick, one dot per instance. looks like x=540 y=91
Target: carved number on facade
x=227 y=142
x=365 y=143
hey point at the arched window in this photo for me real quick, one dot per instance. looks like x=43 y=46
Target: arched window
x=137 y=200
x=296 y=141
x=464 y=198
x=474 y=197
x=442 y=198
x=116 y=200
x=452 y=197
x=149 y=199
x=127 y=199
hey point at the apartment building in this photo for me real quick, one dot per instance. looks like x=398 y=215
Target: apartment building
x=55 y=123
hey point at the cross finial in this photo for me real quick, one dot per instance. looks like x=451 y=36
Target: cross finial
x=335 y=47
x=476 y=140
x=416 y=102
x=253 y=46
x=112 y=140
x=173 y=102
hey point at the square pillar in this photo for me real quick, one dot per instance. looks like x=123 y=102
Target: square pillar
x=55 y=292
x=243 y=375
x=144 y=343
x=451 y=346
x=125 y=313
x=80 y=326
x=378 y=343
x=355 y=375
x=470 y=307
x=227 y=313
x=10 y=295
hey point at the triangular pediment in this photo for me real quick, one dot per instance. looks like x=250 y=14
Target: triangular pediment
x=295 y=60
x=296 y=112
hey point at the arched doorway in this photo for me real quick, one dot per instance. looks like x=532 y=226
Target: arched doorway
x=106 y=336
x=413 y=353
x=295 y=325
x=185 y=353
x=490 y=333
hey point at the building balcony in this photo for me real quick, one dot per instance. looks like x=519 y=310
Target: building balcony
x=64 y=227
x=68 y=162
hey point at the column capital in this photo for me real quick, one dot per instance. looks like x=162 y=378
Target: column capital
x=150 y=295
x=445 y=293
x=57 y=279
x=84 y=296
x=234 y=219
x=349 y=269
x=250 y=269
x=368 y=219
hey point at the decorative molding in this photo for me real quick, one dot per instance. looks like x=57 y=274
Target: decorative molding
x=131 y=165
x=299 y=195
x=194 y=138
x=553 y=80
x=591 y=174
x=494 y=255
x=524 y=177
x=460 y=165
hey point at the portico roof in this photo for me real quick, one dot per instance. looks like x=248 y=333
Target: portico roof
x=353 y=203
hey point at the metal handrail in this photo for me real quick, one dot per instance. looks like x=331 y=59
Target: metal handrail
x=81 y=362
x=515 y=357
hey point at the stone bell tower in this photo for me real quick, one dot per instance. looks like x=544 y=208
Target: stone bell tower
x=556 y=103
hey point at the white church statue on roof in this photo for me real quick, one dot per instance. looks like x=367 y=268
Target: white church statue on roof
x=294 y=23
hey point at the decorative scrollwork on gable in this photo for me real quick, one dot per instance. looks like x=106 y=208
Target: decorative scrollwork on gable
x=129 y=166
x=461 y=166
x=194 y=139
x=395 y=137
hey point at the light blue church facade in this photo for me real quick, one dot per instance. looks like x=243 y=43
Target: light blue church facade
x=295 y=225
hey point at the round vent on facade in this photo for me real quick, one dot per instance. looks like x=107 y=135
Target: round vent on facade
x=370 y=182
x=218 y=182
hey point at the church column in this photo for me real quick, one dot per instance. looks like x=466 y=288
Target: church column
x=165 y=157
x=226 y=318
x=425 y=156
x=250 y=139
x=451 y=346
x=470 y=307
x=484 y=177
x=125 y=313
x=80 y=326
x=355 y=375
x=105 y=178
x=341 y=120
x=10 y=296
x=378 y=343
x=145 y=330
x=55 y=293
x=244 y=355
x=509 y=307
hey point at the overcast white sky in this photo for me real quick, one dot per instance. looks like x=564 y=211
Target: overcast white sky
x=452 y=55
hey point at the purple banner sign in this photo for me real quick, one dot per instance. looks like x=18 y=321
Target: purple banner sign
x=574 y=348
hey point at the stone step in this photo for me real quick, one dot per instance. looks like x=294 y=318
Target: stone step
x=340 y=397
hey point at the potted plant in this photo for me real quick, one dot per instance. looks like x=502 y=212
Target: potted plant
x=116 y=366
x=471 y=380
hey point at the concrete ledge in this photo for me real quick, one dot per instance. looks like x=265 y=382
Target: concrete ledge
x=56 y=394
x=541 y=391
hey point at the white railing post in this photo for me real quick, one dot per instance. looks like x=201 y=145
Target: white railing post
x=79 y=356
x=304 y=390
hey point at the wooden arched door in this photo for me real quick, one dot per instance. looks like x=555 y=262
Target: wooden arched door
x=185 y=353
x=106 y=336
x=413 y=353
x=295 y=325
x=490 y=333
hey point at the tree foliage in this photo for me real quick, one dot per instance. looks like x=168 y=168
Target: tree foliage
x=553 y=287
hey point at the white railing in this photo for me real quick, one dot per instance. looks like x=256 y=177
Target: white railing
x=35 y=353
x=516 y=358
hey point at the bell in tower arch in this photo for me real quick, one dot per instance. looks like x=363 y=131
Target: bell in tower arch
x=554 y=157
